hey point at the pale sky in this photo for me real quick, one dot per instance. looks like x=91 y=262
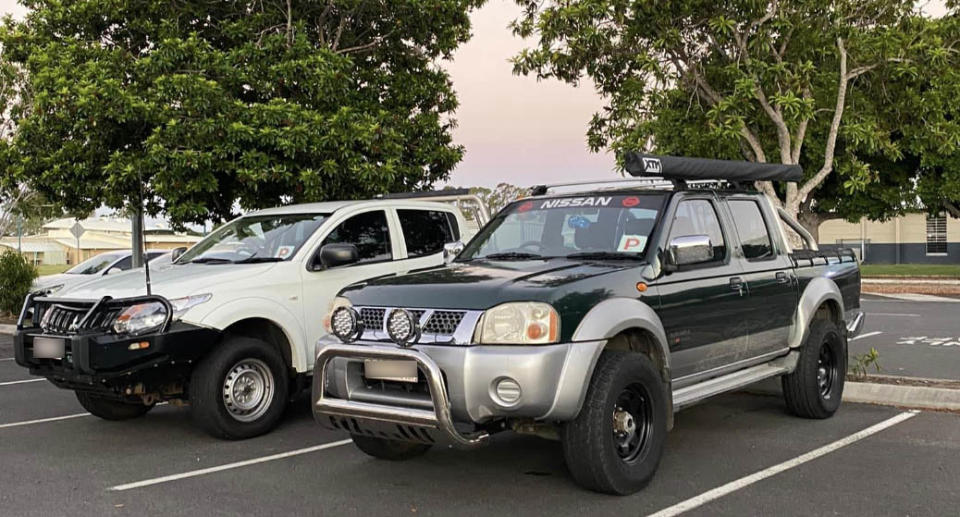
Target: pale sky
x=515 y=129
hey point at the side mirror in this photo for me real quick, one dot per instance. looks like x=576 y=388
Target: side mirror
x=451 y=250
x=333 y=255
x=114 y=270
x=689 y=249
x=177 y=253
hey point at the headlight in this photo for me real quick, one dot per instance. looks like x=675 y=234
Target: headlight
x=46 y=291
x=337 y=302
x=140 y=318
x=520 y=323
x=180 y=305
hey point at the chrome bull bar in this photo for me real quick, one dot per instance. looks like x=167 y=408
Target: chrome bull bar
x=439 y=418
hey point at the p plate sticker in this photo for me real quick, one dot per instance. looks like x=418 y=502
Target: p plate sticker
x=632 y=243
x=284 y=251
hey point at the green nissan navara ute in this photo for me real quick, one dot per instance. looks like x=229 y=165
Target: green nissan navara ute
x=591 y=318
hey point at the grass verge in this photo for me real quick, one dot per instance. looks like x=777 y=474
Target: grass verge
x=911 y=270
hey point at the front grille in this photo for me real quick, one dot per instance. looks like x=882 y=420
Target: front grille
x=65 y=319
x=372 y=318
x=443 y=322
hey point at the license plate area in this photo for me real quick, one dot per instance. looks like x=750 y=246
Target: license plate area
x=48 y=347
x=390 y=370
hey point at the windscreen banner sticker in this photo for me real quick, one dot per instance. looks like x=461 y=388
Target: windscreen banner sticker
x=632 y=243
x=573 y=202
x=284 y=251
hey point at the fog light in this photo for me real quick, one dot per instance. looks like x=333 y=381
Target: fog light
x=345 y=323
x=508 y=391
x=139 y=346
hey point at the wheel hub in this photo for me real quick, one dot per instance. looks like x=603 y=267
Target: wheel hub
x=632 y=422
x=248 y=390
x=826 y=371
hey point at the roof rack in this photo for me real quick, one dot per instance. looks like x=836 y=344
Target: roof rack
x=653 y=183
x=676 y=168
x=460 y=196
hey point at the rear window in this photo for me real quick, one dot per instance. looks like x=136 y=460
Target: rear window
x=426 y=231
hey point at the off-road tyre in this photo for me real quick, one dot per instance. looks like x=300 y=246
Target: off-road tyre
x=218 y=384
x=815 y=388
x=111 y=409
x=593 y=456
x=392 y=450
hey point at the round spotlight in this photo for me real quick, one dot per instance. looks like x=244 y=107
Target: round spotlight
x=403 y=327
x=508 y=391
x=345 y=323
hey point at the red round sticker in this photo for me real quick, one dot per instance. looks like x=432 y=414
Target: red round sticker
x=631 y=201
x=525 y=207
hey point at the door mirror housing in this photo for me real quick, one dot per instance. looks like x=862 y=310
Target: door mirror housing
x=114 y=270
x=451 y=250
x=176 y=253
x=689 y=249
x=334 y=255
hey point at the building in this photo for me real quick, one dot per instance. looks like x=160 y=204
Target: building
x=914 y=238
x=57 y=245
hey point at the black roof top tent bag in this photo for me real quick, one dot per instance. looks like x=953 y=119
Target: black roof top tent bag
x=698 y=169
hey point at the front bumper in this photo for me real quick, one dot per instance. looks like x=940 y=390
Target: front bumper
x=104 y=362
x=459 y=389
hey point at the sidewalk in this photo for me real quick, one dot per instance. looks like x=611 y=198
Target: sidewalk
x=943 y=286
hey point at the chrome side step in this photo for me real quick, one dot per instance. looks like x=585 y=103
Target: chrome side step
x=685 y=397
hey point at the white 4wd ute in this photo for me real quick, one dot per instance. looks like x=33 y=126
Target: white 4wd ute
x=230 y=326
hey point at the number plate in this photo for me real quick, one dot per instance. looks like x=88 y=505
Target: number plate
x=390 y=370
x=48 y=348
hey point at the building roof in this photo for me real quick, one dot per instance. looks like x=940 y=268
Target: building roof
x=32 y=245
x=103 y=224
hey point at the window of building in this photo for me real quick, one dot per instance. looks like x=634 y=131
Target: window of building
x=425 y=231
x=937 y=235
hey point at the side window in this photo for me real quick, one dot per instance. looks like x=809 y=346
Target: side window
x=699 y=217
x=368 y=232
x=454 y=225
x=425 y=231
x=123 y=265
x=751 y=228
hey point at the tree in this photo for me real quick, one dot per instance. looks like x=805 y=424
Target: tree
x=793 y=81
x=500 y=196
x=194 y=108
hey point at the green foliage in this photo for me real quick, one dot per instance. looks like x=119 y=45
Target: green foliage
x=499 y=197
x=205 y=105
x=762 y=80
x=16 y=277
x=861 y=363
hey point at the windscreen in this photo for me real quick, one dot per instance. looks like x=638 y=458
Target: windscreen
x=94 y=265
x=588 y=226
x=264 y=238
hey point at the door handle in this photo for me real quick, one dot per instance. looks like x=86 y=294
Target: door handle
x=736 y=283
x=783 y=278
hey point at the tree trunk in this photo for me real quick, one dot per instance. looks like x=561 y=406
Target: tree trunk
x=811 y=221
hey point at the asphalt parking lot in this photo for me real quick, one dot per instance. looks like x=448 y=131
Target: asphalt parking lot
x=913 y=339
x=735 y=455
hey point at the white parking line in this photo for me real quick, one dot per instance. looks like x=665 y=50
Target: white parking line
x=11 y=383
x=228 y=466
x=868 y=334
x=42 y=420
x=746 y=481
x=7 y=359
